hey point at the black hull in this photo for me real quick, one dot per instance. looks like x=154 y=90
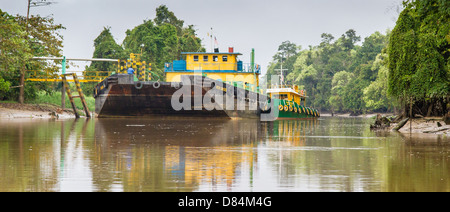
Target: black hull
x=118 y=95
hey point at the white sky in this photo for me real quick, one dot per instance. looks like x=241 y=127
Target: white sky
x=242 y=24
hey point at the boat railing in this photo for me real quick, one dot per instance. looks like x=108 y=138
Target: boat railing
x=302 y=92
x=181 y=65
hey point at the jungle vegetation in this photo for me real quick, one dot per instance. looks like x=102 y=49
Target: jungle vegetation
x=404 y=70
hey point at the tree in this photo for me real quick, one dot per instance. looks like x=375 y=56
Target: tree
x=326 y=39
x=158 y=41
x=286 y=50
x=14 y=49
x=31 y=3
x=106 y=47
x=349 y=39
x=336 y=72
x=375 y=95
x=419 y=54
x=339 y=83
x=23 y=38
x=286 y=55
x=159 y=44
x=164 y=16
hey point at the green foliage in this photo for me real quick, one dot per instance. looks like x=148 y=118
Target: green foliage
x=159 y=44
x=4 y=87
x=14 y=49
x=158 y=41
x=375 y=95
x=106 y=47
x=286 y=56
x=55 y=99
x=419 y=52
x=19 y=41
x=336 y=72
x=339 y=83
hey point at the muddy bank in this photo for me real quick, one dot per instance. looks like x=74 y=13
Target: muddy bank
x=369 y=115
x=16 y=110
x=433 y=125
x=430 y=125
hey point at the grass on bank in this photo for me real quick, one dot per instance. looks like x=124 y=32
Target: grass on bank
x=55 y=99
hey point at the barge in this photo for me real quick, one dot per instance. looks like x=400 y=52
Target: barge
x=202 y=84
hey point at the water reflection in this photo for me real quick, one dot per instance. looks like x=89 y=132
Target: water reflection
x=329 y=154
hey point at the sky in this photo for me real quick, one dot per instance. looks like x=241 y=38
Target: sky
x=242 y=24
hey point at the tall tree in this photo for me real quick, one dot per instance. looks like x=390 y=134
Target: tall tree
x=158 y=41
x=419 y=57
x=22 y=39
x=349 y=39
x=286 y=56
x=336 y=72
x=31 y=3
x=339 y=83
x=165 y=16
x=106 y=47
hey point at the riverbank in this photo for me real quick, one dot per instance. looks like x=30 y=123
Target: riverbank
x=428 y=125
x=33 y=111
x=368 y=115
x=431 y=125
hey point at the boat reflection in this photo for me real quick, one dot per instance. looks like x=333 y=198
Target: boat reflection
x=186 y=155
x=327 y=154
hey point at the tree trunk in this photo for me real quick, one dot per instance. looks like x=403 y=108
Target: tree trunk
x=400 y=124
x=429 y=110
x=22 y=86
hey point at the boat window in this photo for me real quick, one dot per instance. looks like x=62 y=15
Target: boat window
x=279 y=96
x=195 y=58
x=215 y=58
x=205 y=58
x=224 y=58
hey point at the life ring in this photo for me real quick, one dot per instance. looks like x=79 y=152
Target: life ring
x=295 y=109
x=280 y=107
x=290 y=108
x=156 y=84
x=300 y=109
x=285 y=108
x=138 y=85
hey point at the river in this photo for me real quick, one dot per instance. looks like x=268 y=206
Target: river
x=327 y=154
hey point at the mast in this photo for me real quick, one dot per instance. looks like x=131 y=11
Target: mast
x=281 y=72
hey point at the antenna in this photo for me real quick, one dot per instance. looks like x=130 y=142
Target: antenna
x=211 y=36
x=281 y=69
x=281 y=73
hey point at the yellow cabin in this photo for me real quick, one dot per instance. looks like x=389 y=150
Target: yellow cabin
x=287 y=93
x=225 y=67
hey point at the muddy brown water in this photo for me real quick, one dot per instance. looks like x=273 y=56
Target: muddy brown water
x=327 y=154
